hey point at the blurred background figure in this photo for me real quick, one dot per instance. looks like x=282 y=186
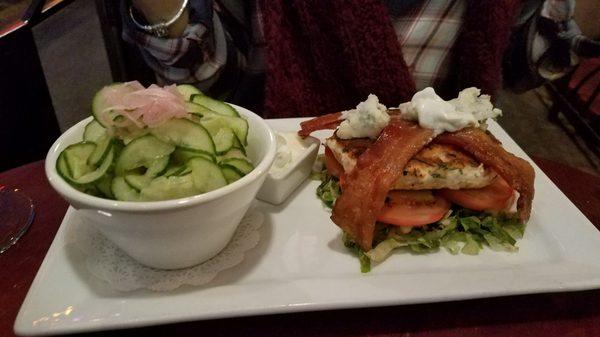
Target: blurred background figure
x=334 y=53
x=328 y=57
x=314 y=57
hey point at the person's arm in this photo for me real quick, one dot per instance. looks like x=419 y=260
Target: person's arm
x=156 y=11
x=195 y=51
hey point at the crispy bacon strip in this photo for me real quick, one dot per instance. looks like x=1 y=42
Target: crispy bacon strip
x=367 y=186
x=329 y=121
x=485 y=148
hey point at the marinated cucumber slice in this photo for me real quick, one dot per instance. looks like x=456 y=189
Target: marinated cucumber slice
x=182 y=156
x=177 y=171
x=100 y=104
x=215 y=105
x=231 y=173
x=62 y=167
x=104 y=186
x=89 y=189
x=142 y=152
x=207 y=175
x=185 y=133
x=76 y=157
x=195 y=109
x=93 y=131
x=238 y=145
x=187 y=90
x=122 y=191
x=173 y=187
x=103 y=146
x=157 y=167
x=93 y=176
x=213 y=121
x=96 y=175
x=241 y=165
x=137 y=181
x=224 y=140
x=233 y=153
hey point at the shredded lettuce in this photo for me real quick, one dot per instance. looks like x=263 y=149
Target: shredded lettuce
x=329 y=189
x=461 y=231
x=464 y=231
x=365 y=261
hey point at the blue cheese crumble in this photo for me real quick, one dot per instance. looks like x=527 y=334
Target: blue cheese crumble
x=367 y=120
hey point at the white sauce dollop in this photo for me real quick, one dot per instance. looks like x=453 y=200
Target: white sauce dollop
x=470 y=108
x=367 y=120
x=289 y=147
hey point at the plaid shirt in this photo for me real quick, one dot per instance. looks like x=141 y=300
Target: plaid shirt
x=427 y=31
x=204 y=51
x=427 y=34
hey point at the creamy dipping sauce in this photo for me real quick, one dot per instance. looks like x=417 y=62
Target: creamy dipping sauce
x=428 y=109
x=289 y=147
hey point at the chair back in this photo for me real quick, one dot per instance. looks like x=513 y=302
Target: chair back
x=126 y=62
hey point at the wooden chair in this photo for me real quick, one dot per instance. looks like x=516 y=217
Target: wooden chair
x=576 y=96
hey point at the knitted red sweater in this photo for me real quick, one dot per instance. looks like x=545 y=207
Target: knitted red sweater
x=326 y=56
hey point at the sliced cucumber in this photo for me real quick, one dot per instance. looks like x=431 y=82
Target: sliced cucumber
x=231 y=173
x=213 y=122
x=93 y=176
x=173 y=187
x=142 y=152
x=155 y=168
x=182 y=156
x=187 y=90
x=177 y=171
x=233 y=153
x=185 y=133
x=122 y=191
x=76 y=157
x=196 y=109
x=241 y=165
x=207 y=175
x=100 y=104
x=158 y=166
x=103 y=146
x=62 y=167
x=215 y=105
x=237 y=144
x=224 y=140
x=104 y=186
x=137 y=181
x=93 y=131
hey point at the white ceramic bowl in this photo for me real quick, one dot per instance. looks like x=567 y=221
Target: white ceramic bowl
x=175 y=233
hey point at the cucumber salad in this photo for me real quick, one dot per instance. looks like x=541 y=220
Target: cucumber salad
x=156 y=143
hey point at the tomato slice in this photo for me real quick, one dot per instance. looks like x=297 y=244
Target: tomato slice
x=333 y=166
x=413 y=208
x=493 y=197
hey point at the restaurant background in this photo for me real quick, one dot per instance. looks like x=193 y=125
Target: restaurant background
x=75 y=64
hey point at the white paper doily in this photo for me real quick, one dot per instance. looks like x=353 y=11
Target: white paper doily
x=109 y=263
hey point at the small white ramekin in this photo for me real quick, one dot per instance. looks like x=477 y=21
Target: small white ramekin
x=277 y=188
x=177 y=233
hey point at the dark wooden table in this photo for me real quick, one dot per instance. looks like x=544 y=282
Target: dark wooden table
x=558 y=314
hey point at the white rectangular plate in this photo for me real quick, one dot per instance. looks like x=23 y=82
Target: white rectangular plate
x=300 y=264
